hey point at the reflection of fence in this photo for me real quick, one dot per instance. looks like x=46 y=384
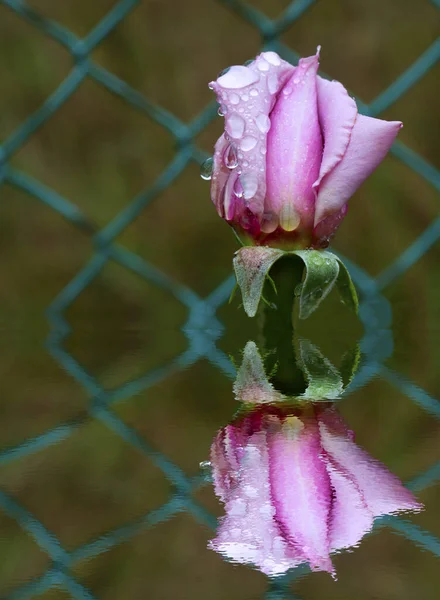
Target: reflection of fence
x=202 y=328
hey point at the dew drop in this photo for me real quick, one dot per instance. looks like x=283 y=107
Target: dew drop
x=262 y=64
x=249 y=183
x=206 y=169
x=237 y=77
x=248 y=143
x=287 y=91
x=296 y=80
x=254 y=92
x=289 y=217
x=245 y=97
x=263 y=123
x=234 y=98
x=238 y=189
x=230 y=157
x=263 y=150
x=272 y=58
x=235 y=126
x=220 y=111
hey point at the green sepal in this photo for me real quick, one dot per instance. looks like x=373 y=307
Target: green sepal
x=346 y=288
x=322 y=270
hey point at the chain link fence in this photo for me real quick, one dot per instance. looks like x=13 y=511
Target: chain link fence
x=202 y=329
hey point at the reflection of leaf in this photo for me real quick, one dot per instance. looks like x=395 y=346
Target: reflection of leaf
x=322 y=269
x=251 y=268
x=251 y=384
x=346 y=288
x=325 y=381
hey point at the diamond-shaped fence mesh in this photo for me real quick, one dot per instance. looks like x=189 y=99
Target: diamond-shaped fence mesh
x=202 y=328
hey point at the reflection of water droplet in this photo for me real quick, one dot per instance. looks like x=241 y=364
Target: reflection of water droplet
x=220 y=111
x=235 y=126
x=263 y=123
x=234 y=98
x=230 y=157
x=206 y=169
x=211 y=85
x=248 y=143
x=254 y=92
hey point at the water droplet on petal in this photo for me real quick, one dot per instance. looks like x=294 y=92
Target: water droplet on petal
x=272 y=58
x=272 y=83
x=245 y=97
x=248 y=143
x=263 y=150
x=270 y=223
x=254 y=92
x=289 y=217
x=220 y=111
x=296 y=80
x=230 y=157
x=238 y=189
x=263 y=123
x=262 y=65
x=249 y=184
x=206 y=169
x=287 y=91
x=235 y=126
x=237 y=77
x=234 y=98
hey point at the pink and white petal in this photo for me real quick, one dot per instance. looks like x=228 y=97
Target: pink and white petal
x=248 y=533
x=301 y=489
x=337 y=115
x=246 y=95
x=383 y=492
x=350 y=518
x=294 y=148
x=369 y=143
x=220 y=175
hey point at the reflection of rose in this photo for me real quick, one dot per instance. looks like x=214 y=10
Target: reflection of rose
x=297 y=488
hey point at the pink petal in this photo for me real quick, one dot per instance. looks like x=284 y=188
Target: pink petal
x=370 y=141
x=294 y=148
x=337 y=115
x=248 y=533
x=383 y=492
x=350 y=517
x=246 y=95
x=301 y=489
x=220 y=175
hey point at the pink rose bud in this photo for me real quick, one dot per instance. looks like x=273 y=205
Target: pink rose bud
x=293 y=152
x=296 y=488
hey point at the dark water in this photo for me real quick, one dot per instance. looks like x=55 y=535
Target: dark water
x=106 y=488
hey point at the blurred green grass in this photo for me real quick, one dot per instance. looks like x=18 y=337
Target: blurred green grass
x=98 y=152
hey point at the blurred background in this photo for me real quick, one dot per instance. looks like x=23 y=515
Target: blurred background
x=107 y=136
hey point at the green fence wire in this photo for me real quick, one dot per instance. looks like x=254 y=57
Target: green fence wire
x=202 y=329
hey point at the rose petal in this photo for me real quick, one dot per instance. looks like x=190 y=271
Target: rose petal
x=246 y=95
x=370 y=141
x=301 y=489
x=337 y=115
x=382 y=491
x=294 y=148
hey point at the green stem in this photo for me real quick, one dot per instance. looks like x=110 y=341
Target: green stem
x=277 y=327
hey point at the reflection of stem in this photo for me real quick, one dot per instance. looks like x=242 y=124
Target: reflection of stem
x=278 y=327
